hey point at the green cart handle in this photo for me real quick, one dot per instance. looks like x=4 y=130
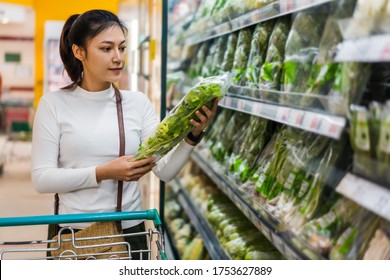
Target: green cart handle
x=150 y=214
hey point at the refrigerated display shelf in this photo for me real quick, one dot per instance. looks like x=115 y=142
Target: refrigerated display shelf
x=210 y=240
x=328 y=125
x=374 y=48
x=371 y=196
x=273 y=10
x=170 y=248
x=268 y=230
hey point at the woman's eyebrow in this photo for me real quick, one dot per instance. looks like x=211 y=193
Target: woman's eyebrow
x=112 y=43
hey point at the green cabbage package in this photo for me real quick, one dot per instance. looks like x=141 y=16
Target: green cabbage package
x=176 y=125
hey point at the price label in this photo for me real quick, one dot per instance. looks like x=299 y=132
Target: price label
x=296 y=117
x=228 y=102
x=385 y=54
x=256 y=108
x=241 y=105
x=282 y=114
x=374 y=48
x=367 y=194
x=286 y=5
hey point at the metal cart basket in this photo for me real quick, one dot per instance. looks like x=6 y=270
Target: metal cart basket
x=39 y=249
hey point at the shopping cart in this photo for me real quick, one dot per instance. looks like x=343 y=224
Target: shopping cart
x=38 y=249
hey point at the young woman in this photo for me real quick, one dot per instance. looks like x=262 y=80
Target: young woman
x=75 y=133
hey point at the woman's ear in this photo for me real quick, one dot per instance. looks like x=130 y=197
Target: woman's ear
x=78 y=52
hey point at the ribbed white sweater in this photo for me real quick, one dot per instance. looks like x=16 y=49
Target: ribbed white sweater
x=76 y=131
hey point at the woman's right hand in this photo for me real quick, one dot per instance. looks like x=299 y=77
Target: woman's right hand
x=124 y=169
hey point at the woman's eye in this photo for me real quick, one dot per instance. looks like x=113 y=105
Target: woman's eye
x=122 y=49
x=107 y=49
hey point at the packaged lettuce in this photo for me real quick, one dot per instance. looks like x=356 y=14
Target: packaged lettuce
x=228 y=57
x=271 y=71
x=301 y=51
x=219 y=54
x=241 y=53
x=258 y=51
x=176 y=125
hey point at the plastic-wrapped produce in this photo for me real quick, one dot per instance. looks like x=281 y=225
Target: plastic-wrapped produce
x=241 y=53
x=217 y=59
x=324 y=70
x=218 y=126
x=271 y=70
x=320 y=233
x=360 y=131
x=312 y=192
x=258 y=134
x=196 y=66
x=176 y=125
x=267 y=172
x=207 y=67
x=383 y=145
x=351 y=81
x=228 y=57
x=366 y=17
x=307 y=148
x=353 y=242
x=301 y=50
x=258 y=52
x=235 y=8
x=223 y=146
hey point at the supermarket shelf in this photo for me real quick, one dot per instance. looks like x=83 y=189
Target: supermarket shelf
x=273 y=10
x=210 y=240
x=369 y=49
x=372 y=196
x=261 y=224
x=323 y=124
x=170 y=248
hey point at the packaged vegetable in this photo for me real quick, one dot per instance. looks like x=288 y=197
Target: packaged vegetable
x=271 y=70
x=258 y=51
x=176 y=125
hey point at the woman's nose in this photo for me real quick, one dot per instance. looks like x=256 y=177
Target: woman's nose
x=117 y=57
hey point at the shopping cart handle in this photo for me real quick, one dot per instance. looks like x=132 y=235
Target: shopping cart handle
x=150 y=214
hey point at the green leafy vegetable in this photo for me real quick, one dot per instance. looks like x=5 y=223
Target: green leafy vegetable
x=176 y=125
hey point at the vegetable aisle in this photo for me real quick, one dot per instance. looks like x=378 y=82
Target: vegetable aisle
x=295 y=165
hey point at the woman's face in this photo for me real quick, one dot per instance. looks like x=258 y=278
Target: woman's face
x=104 y=59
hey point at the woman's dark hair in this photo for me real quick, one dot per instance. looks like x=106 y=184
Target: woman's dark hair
x=78 y=30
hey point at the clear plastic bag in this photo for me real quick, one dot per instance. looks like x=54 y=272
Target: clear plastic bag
x=176 y=125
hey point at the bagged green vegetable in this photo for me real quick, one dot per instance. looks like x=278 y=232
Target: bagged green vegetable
x=243 y=161
x=176 y=125
x=354 y=241
x=195 y=69
x=258 y=52
x=207 y=67
x=219 y=53
x=301 y=51
x=271 y=70
x=241 y=53
x=228 y=57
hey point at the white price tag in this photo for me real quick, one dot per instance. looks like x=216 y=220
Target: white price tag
x=312 y=122
x=256 y=108
x=282 y=114
x=367 y=194
x=241 y=105
x=296 y=117
x=286 y=5
x=228 y=102
x=369 y=49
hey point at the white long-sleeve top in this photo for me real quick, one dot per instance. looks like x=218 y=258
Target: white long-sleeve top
x=75 y=131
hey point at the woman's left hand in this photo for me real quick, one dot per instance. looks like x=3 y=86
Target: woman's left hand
x=205 y=116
